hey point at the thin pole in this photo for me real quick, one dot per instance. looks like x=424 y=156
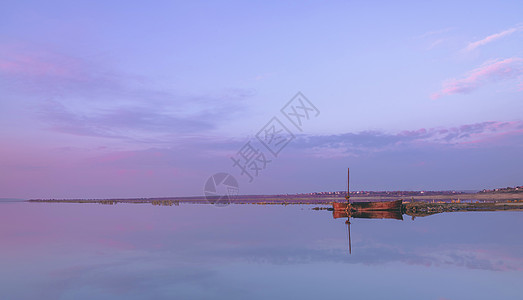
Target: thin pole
x=348 y=227
x=348 y=184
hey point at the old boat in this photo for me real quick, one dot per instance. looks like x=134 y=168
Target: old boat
x=395 y=205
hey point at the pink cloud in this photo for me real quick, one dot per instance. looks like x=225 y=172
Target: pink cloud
x=22 y=64
x=491 y=71
x=19 y=61
x=490 y=39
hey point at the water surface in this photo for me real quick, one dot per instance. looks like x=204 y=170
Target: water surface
x=191 y=251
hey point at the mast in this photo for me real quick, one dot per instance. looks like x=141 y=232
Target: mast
x=348 y=182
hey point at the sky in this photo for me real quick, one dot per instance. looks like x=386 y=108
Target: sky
x=105 y=99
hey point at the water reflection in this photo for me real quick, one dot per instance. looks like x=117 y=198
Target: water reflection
x=383 y=214
x=141 y=251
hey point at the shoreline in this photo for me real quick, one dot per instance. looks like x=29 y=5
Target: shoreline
x=308 y=199
x=415 y=206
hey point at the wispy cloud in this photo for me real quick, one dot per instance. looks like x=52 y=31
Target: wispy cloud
x=164 y=122
x=30 y=61
x=31 y=65
x=47 y=74
x=490 y=71
x=434 y=38
x=490 y=38
x=434 y=32
x=369 y=142
x=89 y=98
x=435 y=43
x=38 y=72
x=128 y=122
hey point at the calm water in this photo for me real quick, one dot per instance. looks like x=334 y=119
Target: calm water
x=141 y=251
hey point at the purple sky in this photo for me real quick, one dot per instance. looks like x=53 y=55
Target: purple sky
x=144 y=100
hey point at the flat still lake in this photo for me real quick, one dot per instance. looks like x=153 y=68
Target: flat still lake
x=200 y=251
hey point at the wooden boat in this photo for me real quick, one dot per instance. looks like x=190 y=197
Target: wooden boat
x=372 y=206
x=337 y=206
x=368 y=206
x=395 y=205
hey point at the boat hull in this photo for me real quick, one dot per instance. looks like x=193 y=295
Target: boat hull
x=395 y=205
x=341 y=206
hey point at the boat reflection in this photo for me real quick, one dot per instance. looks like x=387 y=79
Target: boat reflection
x=337 y=214
x=384 y=214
